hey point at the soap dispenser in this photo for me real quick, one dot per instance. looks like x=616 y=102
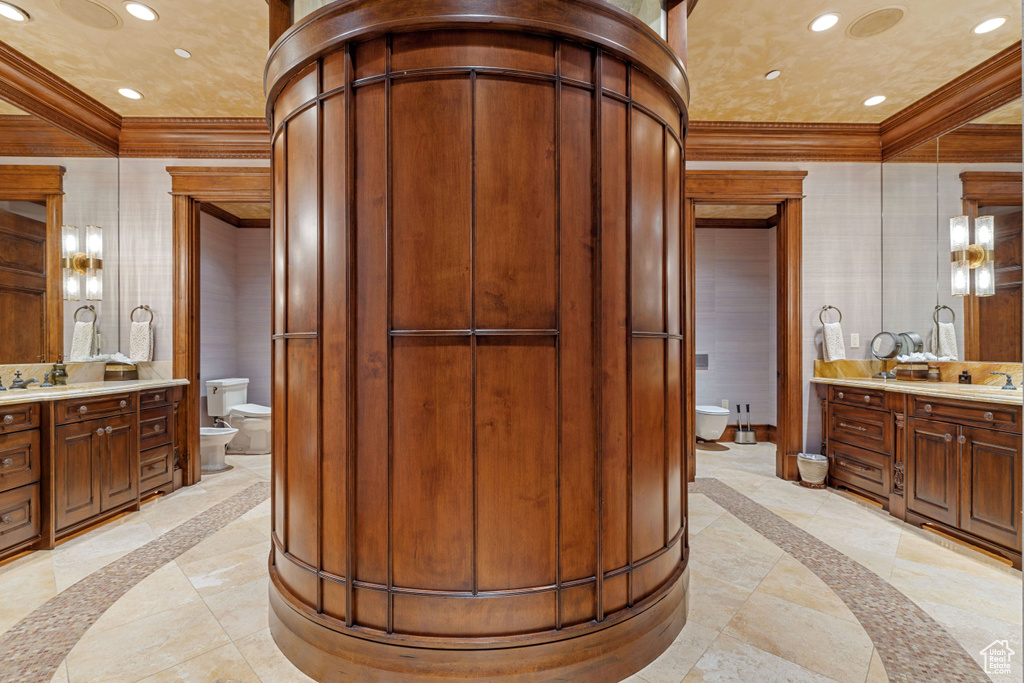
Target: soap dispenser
x=964 y=378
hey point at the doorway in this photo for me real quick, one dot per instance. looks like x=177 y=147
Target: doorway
x=782 y=190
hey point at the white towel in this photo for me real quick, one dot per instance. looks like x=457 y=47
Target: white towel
x=834 y=346
x=944 y=341
x=83 y=343
x=140 y=342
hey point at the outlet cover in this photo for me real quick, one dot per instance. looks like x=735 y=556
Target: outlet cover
x=854 y=340
x=725 y=403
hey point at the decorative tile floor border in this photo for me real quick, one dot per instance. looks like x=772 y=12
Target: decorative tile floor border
x=913 y=646
x=32 y=650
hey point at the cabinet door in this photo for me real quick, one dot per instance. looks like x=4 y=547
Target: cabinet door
x=990 y=487
x=120 y=462
x=933 y=470
x=76 y=467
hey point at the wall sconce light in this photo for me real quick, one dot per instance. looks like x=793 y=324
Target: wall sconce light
x=77 y=262
x=966 y=257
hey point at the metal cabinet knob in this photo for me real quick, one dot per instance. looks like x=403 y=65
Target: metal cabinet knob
x=927 y=407
x=158 y=428
x=867 y=399
x=842 y=395
x=158 y=397
x=7 y=462
x=8 y=519
x=961 y=439
x=100 y=431
x=108 y=430
x=989 y=416
x=83 y=410
x=948 y=437
x=123 y=403
x=8 y=419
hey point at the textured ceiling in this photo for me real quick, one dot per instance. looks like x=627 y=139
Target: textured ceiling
x=227 y=39
x=1008 y=113
x=10 y=110
x=827 y=76
x=759 y=211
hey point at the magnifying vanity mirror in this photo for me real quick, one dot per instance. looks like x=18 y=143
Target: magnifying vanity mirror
x=885 y=346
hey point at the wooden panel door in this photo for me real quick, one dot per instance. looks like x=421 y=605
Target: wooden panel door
x=999 y=317
x=22 y=289
x=990 y=485
x=119 y=462
x=933 y=470
x=76 y=467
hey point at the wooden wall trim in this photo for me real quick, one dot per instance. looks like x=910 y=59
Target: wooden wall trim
x=744 y=187
x=195 y=138
x=27 y=136
x=733 y=224
x=992 y=187
x=40 y=92
x=984 y=88
x=754 y=141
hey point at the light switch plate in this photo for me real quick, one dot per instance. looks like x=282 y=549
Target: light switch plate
x=854 y=340
x=725 y=403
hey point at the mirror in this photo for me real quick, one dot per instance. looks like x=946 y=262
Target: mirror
x=52 y=180
x=973 y=171
x=885 y=346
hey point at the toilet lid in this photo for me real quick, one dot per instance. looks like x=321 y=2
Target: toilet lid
x=251 y=410
x=712 y=410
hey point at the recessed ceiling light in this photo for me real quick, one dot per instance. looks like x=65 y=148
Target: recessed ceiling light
x=989 y=25
x=872 y=101
x=825 y=22
x=12 y=12
x=772 y=75
x=184 y=54
x=140 y=11
x=130 y=94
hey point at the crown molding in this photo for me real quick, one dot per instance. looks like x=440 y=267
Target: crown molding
x=195 y=138
x=755 y=141
x=27 y=136
x=39 y=92
x=986 y=87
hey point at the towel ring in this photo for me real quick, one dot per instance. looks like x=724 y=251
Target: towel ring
x=938 y=309
x=826 y=309
x=147 y=309
x=88 y=309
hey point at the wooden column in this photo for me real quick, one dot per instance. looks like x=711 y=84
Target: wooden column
x=480 y=352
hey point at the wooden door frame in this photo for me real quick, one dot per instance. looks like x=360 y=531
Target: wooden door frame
x=981 y=188
x=784 y=189
x=29 y=183
x=190 y=187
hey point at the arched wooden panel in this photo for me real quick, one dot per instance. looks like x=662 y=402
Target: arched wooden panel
x=478 y=372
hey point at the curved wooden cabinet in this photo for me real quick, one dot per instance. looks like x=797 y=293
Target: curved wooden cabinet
x=478 y=341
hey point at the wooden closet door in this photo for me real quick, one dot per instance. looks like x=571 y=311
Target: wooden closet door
x=933 y=470
x=76 y=464
x=990 y=486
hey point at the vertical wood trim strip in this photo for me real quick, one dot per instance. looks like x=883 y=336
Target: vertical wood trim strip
x=794 y=332
x=350 y=314
x=666 y=343
x=54 y=323
x=472 y=325
x=597 y=325
x=320 y=336
x=285 y=341
x=629 y=336
x=558 y=337
x=389 y=294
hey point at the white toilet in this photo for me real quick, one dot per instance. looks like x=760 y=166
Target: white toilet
x=711 y=422
x=212 y=441
x=226 y=398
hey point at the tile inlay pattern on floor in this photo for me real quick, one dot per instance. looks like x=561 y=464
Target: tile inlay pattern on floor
x=34 y=648
x=913 y=646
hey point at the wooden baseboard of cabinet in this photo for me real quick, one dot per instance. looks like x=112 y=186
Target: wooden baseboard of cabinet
x=76 y=530
x=964 y=539
x=964 y=544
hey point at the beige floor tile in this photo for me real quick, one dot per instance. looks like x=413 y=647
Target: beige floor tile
x=791 y=496
x=702 y=512
x=61 y=674
x=167 y=512
x=713 y=602
x=214 y=574
x=146 y=646
x=81 y=556
x=267 y=661
x=223 y=665
x=242 y=611
x=977 y=631
x=27 y=583
x=925 y=547
x=162 y=590
x=876 y=672
x=238 y=535
x=814 y=640
x=728 y=528
x=743 y=481
x=797 y=519
x=921 y=582
x=728 y=660
x=792 y=581
x=680 y=656
x=728 y=561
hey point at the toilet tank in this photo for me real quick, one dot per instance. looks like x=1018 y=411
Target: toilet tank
x=224 y=394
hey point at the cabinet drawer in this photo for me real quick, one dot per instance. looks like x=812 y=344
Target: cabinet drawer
x=862 y=427
x=15 y=418
x=79 y=410
x=859 y=467
x=19 y=459
x=154 y=427
x=867 y=398
x=986 y=414
x=154 y=397
x=19 y=515
x=157 y=468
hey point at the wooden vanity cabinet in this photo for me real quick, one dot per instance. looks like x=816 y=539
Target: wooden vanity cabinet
x=20 y=474
x=990 y=485
x=933 y=470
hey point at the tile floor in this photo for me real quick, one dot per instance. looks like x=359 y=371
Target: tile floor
x=756 y=614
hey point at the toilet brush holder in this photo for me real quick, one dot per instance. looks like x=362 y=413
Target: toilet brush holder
x=745 y=436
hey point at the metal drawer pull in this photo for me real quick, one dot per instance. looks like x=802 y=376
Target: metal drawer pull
x=867 y=399
x=962 y=439
x=842 y=395
x=849 y=426
x=158 y=397
x=989 y=416
x=123 y=403
x=843 y=463
x=108 y=430
x=8 y=419
x=100 y=431
x=8 y=519
x=82 y=410
x=927 y=407
x=948 y=437
x=158 y=428
x=7 y=462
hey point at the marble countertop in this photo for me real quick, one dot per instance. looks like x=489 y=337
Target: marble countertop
x=36 y=393
x=970 y=392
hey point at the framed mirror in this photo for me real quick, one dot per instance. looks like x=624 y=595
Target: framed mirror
x=58 y=244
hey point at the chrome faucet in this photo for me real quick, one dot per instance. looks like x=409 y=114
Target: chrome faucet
x=1009 y=380
x=20 y=383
